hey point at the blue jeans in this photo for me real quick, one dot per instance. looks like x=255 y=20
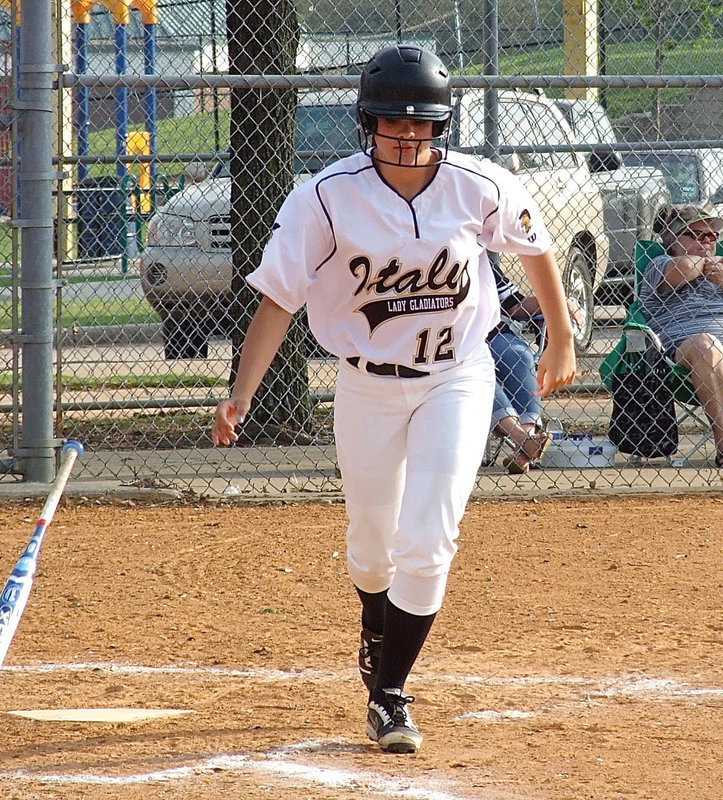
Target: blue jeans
x=516 y=380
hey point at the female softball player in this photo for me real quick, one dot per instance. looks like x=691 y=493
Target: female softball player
x=388 y=251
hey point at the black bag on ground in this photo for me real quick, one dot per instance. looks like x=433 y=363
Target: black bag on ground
x=643 y=421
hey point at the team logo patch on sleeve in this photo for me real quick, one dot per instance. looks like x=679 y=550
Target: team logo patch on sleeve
x=526 y=223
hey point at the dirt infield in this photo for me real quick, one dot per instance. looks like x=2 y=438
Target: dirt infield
x=578 y=656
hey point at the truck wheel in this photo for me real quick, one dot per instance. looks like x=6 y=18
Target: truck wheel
x=577 y=280
x=183 y=337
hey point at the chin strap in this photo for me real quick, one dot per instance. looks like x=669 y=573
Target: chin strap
x=366 y=142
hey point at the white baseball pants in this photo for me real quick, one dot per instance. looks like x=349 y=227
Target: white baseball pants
x=409 y=450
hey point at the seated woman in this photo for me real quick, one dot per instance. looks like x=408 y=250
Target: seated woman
x=516 y=411
x=515 y=389
x=682 y=298
x=517 y=408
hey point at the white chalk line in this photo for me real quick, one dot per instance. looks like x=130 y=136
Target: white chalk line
x=663 y=688
x=265 y=675
x=626 y=685
x=490 y=715
x=650 y=689
x=277 y=763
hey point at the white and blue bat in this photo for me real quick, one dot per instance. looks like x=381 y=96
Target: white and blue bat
x=17 y=590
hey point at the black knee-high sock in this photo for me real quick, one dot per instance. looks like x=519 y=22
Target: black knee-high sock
x=404 y=635
x=373 y=606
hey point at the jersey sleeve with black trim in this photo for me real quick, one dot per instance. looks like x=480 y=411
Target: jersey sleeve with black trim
x=300 y=241
x=517 y=226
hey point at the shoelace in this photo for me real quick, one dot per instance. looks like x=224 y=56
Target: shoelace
x=398 y=703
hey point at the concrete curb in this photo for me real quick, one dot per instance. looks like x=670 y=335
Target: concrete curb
x=86 y=490
x=148 y=333
x=115 y=491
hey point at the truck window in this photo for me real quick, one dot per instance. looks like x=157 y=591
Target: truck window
x=592 y=127
x=680 y=170
x=549 y=131
x=714 y=168
x=326 y=128
x=323 y=134
x=516 y=130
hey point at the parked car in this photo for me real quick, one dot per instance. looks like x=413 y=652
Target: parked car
x=633 y=194
x=693 y=176
x=186 y=265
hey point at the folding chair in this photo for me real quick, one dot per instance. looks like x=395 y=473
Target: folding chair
x=636 y=333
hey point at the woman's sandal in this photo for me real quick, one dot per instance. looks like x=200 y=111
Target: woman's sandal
x=519 y=462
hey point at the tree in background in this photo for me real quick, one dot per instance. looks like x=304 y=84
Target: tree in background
x=263 y=37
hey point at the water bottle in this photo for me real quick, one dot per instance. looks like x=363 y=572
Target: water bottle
x=555 y=429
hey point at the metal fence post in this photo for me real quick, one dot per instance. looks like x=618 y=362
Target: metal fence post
x=36 y=178
x=490 y=54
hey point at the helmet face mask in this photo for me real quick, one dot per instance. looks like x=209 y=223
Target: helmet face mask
x=404 y=82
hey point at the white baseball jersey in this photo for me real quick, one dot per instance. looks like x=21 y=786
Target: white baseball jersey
x=397 y=281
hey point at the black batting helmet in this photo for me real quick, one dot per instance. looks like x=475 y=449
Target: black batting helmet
x=405 y=81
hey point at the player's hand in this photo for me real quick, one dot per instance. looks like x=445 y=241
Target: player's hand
x=556 y=369
x=229 y=414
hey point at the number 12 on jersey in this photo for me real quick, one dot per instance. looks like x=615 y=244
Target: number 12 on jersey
x=443 y=351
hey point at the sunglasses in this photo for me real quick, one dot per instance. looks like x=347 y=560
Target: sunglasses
x=701 y=236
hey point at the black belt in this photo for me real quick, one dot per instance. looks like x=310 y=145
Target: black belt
x=396 y=370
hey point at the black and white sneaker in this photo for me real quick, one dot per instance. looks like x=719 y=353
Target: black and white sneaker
x=390 y=724
x=370 y=653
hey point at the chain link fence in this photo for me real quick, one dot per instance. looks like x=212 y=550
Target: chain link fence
x=179 y=128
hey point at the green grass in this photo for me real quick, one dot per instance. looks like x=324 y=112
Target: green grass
x=699 y=57
x=169 y=381
x=6 y=249
x=131 y=311
x=702 y=56
x=86 y=313
x=195 y=133
x=192 y=134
